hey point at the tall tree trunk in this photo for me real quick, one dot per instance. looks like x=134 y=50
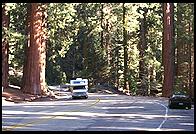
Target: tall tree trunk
x=168 y=54
x=85 y=51
x=117 y=68
x=191 y=58
x=106 y=38
x=102 y=26
x=190 y=70
x=34 y=82
x=26 y=48
x=142 y=47
x=126 y=83
x=108 y=42
x=5 y=46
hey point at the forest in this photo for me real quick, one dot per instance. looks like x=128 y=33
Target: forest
x=138 y=48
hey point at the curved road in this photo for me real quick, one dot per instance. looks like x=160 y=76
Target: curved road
x=100 y=112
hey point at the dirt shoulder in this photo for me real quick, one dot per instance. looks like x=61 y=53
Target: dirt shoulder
x=15 y=95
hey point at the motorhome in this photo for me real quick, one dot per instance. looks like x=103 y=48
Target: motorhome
x=79 y=88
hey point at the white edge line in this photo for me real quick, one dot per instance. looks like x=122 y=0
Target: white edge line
x=166 y=111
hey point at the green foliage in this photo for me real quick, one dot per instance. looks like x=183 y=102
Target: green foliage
x=133 y=84
x=184 y=46
x=60 y=32
x=17 y=39
x=179 y=85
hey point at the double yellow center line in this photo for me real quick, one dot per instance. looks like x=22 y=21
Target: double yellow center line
x=43 y=120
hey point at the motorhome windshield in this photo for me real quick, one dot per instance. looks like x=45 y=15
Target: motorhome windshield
x=78 y=87
x=78 y=82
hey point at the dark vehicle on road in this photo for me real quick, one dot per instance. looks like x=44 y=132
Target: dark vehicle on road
x=179 y=100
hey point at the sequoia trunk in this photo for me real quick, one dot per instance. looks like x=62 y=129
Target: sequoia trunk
x=168 y=50
x=34 y=71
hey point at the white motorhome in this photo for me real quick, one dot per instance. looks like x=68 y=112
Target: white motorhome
x=79 y=88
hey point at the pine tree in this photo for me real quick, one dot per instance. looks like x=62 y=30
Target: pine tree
x=5 y=46
x=126 y=84
x=142 y=48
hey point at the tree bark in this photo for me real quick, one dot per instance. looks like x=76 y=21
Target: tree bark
x=85 y=51
x=191 y=56
x=108 y=42
x=190 y=62
x=34 y=71
x=142 y=47
x=190 y=70
x=102 y=26
x=126 y=83
x=168 y=54
x=26 y=48
x=5 y=46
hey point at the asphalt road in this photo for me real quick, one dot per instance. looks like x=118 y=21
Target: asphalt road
x=100 y=112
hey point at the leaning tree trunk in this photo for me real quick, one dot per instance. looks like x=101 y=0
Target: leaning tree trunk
x=5 y=46
x=168 y=50
x=34 y=71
